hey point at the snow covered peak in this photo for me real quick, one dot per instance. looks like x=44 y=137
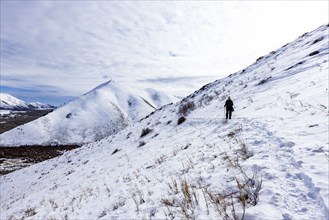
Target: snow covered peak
x=105 y=84
x=103 y=111
x=10 y=102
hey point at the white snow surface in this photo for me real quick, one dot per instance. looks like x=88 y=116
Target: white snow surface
x=8 y=101
x=103 y=111
x=278 y=135
x=4 y=112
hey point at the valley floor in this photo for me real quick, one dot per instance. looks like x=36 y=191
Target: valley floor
x=15 y=158
x=10 y=119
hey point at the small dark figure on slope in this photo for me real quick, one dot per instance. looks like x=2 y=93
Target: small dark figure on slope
x=229 y=108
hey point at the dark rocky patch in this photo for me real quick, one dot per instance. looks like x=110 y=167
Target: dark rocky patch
x=314 y=53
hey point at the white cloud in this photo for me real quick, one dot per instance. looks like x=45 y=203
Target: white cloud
x=75 y=45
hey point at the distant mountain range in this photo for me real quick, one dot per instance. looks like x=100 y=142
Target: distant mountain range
x=10 y=102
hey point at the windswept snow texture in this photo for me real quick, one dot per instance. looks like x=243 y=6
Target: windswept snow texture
x=278 y=135
x=101 y=112
x=10 y=102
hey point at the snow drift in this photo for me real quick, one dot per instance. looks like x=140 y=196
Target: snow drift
x=101 y=112
x=270 y=160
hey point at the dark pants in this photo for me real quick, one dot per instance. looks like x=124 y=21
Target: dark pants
x=228 y=113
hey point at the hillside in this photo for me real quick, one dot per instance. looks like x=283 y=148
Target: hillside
x=101 y=112
x=270 y=161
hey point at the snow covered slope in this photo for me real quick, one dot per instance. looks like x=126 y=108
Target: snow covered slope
x=103 y=111
x=270 y=160
x=10 y=102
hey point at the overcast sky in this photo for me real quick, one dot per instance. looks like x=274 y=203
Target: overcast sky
x=54 y=50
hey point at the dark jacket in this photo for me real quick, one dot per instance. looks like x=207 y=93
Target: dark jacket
x=229 y=105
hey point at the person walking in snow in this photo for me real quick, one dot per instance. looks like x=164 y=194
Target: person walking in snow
x=229 y=107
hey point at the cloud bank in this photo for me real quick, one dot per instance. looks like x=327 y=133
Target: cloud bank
x=65 y=48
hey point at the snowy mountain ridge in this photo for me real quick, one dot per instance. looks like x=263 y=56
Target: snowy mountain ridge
x=9 y=102
x=103 y=111
x=269 y=162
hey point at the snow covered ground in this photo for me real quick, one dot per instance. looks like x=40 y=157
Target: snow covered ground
x=5 y=112
x=270 y=161
x=101 y=112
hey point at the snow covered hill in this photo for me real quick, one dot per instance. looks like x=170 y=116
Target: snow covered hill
x=269 y=162
x=101 y=112
x=9 y=102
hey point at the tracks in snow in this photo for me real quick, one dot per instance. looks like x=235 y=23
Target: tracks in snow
x=287 y=187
